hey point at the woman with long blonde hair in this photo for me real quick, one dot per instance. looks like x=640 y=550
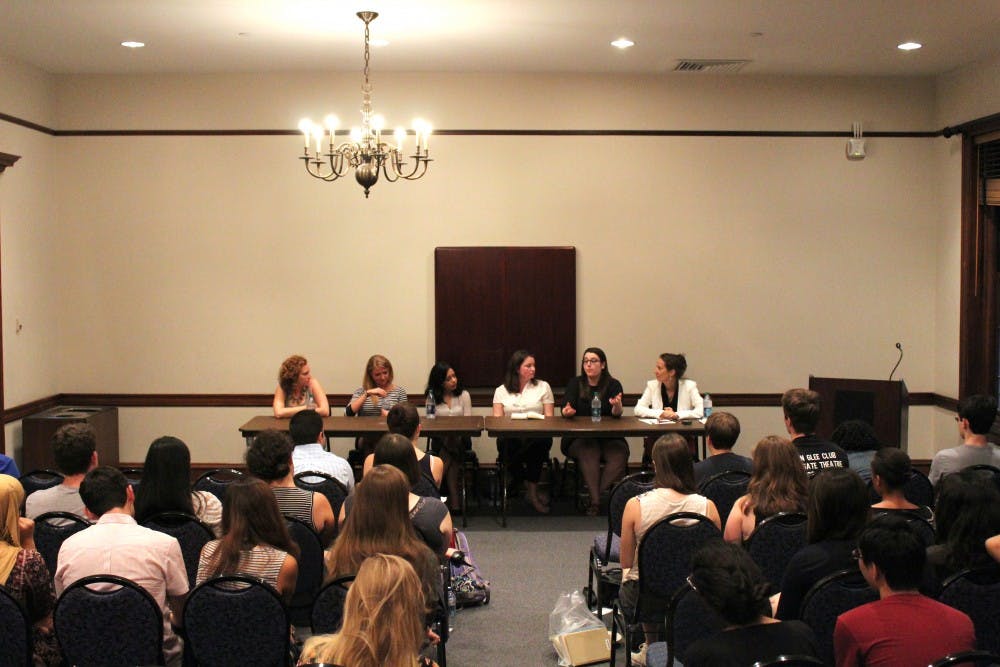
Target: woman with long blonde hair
x=778 y=484
x=383 y=621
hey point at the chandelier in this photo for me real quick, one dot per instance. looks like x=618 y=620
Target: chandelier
x=366 y=152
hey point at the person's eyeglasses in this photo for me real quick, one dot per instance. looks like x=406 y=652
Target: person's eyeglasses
x=591 y=362
x=856 y=554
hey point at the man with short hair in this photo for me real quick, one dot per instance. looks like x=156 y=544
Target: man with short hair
x=975 y=417
x=902 y=627
x=117 y=545
x=74 y=447
x=721 y=431
x=306 y=430
x=404 y=419
x=801 y=409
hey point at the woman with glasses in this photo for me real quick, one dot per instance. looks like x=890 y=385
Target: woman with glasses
x=595 y=380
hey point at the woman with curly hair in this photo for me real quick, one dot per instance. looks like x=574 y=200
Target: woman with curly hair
x=382 y=622
x=298 y=390
x=778 y=484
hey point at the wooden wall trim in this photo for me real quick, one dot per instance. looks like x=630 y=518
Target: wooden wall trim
x=7 y=160
x=19 y=412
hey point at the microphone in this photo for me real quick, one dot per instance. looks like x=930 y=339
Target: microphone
x=899 y=347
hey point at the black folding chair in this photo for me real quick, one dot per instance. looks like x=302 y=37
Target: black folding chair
x=320 y=482
x=191 y=533
x=15 y=631
x=51 y=530
x=36 y=480
x=724 y=489
x=774 y=541
x=328 y=607
x=216 y=481
x=310 y=576
x=919 y=524
x=975 y=658
x=976 y=592
x=830 y=597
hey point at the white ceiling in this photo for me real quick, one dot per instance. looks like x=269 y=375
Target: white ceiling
x=827 y=37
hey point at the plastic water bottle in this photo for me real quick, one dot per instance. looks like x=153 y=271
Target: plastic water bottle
x=707 y=405
x=452 y=608
x=431 y=406
x=595 y=408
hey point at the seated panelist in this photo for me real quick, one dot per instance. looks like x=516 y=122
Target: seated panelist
x=298 y=390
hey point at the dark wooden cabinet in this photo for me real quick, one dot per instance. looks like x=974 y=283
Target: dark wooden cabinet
x=882 y=403
x=37 y=431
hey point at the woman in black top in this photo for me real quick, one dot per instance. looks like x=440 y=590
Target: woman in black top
x=595 y=380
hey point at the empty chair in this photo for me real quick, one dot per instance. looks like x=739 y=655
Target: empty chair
x=104 y=620
x=190 y=533
x=830 y=597
x=724 y=489
x=775 y=540
x=310 y=577
x=976 y=592
x=328 y=607
x=225 y=616
x=216 y=481
x=51 y=530
x=320 y=482
x=15 y=631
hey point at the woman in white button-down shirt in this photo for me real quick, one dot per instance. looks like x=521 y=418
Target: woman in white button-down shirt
x=669 y=396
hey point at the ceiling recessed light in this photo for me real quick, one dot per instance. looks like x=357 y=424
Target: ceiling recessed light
x=133 y=45
x=909 y=46
x=622 y=43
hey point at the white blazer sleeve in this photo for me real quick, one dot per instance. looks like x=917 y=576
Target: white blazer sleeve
x=646 y=406
x=689 y=401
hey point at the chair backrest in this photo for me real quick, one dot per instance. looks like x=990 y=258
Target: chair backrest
x=310 y=576
x=665 y=559
x=977 y=658
x=107 y=620
x=320 y=482
x=36 y=480
x=236 y=621
x=789 y=661
x=724 y=489
x=976 y=592
x=630 y=487
x=133 y=475
x=774 y=541
x=216 y=481
x=921 y=525
x=689 y=618
x=15 y=631
x=987 y=472
x=918 y=489
x=328 y=608
x=51 y=530
x=191 y=533
x=830 y=597
x=425 y=487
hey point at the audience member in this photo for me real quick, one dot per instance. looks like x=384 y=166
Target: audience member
x=382 y=624
x=380 y=523
x=721 y=431
x=858 y=439
x=902 y=627
x=74 y=448
x=255 y=540
x=890 y=469
x=520 y=393
x=778 y=484
x=404 y=420
x=450 y=401
x=801 y=408
x=298 y=390
x=966 y=514
x=306 y=431
x=23 y=573
x=674 y=491
x=166 y=486
x=731 y=583
x=269 y=457
x=117 y=545
x=837 y=510
x=993 y=547
x=975 y=417
x=669 y=396
x=595 y=380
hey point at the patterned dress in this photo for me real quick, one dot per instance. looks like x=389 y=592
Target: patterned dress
x=30 y=583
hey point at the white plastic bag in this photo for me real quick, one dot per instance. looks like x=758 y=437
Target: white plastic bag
x=571 y=614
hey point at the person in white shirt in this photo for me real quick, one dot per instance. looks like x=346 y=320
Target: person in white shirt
x=976 y=414
x=669 y=396
x=74 y=447
x=522 y=392
x=306 y=429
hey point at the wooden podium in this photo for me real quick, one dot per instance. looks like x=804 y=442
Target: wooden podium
x=36 y=436
x=882 y=403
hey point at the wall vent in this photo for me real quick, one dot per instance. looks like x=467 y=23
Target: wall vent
x=708 y=65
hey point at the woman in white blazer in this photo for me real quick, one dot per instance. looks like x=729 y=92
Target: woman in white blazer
x=670 y=395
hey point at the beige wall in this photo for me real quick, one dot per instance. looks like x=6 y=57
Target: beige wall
x=195 y=264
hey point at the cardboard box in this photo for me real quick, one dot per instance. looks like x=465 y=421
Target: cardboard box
x=585 y=647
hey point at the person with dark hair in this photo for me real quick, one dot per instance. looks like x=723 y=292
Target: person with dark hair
x=255 y=540
x=967 y=513
x=674 y=491
x=306 y=430
x=522 y=393
x=166 y=486
x=74 y=447
x=450 y=400
x=721 y=431
x=778 y=483
x=902 y=627
x=730 y=582
x=117 y=545
x=837 y=509
x=403 y=419
x=669 y=396
x=595 y=380
x=891 y=469
x=975 y=417
x=298 y=390
x=801 y=409
x=269 y=457
x=858 y=439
